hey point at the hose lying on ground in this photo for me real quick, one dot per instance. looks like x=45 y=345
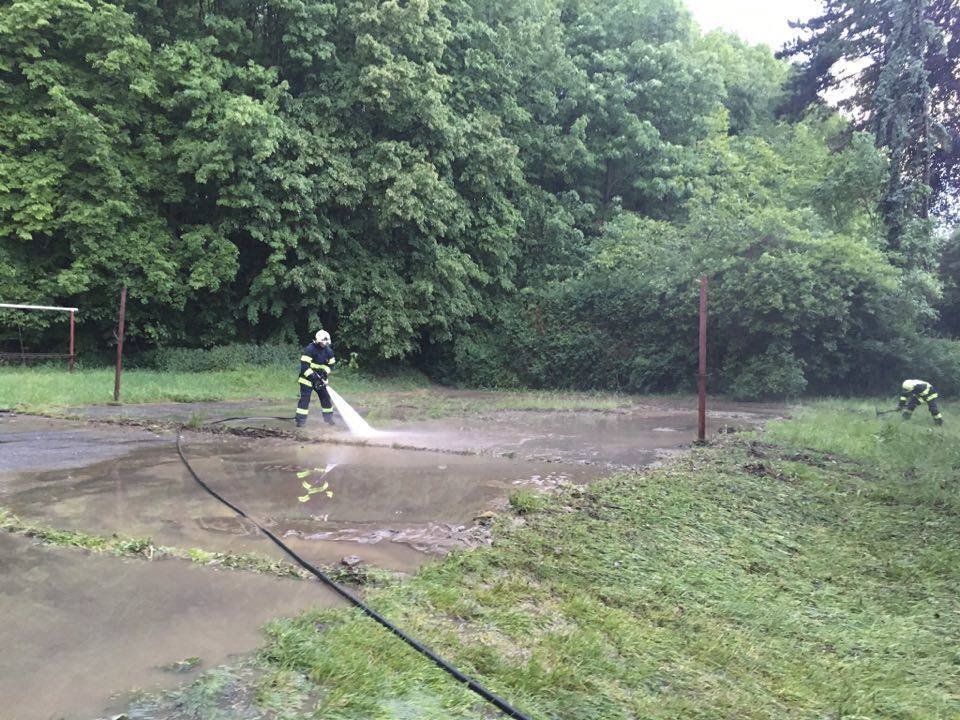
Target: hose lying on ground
x=472 y=684
x=251 y=417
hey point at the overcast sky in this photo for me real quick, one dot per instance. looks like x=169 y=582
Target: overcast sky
x=756 y=21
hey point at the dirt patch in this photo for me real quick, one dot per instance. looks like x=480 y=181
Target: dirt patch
x=183 y=412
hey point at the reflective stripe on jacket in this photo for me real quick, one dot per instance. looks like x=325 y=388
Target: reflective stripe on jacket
x=316 y=359
x=919 y=389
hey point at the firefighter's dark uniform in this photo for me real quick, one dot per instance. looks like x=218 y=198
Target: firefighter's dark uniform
x=315 y=364
x=916 y=392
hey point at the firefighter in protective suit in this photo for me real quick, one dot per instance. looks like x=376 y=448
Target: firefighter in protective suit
x=916 y=392
x=316 y=362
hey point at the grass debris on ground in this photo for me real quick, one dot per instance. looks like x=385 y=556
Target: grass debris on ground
x=144 y=548
x=810 y=572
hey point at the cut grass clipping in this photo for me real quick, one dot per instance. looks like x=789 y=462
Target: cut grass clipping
x=144 y=548
x=813 y=574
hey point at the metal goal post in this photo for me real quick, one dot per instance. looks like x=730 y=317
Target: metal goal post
x=24 y=356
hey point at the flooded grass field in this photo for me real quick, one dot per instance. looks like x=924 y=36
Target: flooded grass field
x=412 y=492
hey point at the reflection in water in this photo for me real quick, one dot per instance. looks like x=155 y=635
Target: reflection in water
x=314 y=489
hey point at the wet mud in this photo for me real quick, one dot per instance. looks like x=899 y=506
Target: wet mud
x=36 y=443
x=79 y=632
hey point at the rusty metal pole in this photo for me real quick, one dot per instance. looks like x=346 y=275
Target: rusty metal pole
x=123 y=314
x=72 y=322
x=702 y=375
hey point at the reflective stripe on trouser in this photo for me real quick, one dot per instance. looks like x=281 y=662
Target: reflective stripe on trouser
x=931 y=404
x=303 y=407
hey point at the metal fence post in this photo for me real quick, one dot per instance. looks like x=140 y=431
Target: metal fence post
x=702 y=375
x=72 y=322
x=123 y=313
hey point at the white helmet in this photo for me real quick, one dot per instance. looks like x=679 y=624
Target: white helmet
x=322 y=338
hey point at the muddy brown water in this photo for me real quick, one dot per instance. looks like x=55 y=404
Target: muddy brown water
x=79 y=630
x=627 y=438
x=387 y=506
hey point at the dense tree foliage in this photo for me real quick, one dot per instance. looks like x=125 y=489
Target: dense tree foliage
x=905 y=55
x=505 y=192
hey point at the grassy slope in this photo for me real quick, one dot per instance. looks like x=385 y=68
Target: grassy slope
x=773 y=581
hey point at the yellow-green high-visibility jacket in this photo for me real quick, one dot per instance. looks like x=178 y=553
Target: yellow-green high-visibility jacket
x=919 y=389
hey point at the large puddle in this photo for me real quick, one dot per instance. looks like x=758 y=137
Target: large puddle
x=611 y=439
x=386 y=506
x=77 y=631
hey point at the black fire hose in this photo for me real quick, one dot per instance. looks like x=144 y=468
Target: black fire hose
x=476 y=687
x=250 y=417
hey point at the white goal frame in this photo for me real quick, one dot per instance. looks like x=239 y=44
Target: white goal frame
x=39 y=356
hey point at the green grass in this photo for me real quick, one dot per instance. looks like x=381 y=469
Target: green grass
x=406 y=396
x=743 y=581
x=887 y=447
x=44 y=388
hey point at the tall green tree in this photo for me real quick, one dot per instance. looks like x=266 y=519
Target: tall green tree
x=905 y=56
x=79 y=170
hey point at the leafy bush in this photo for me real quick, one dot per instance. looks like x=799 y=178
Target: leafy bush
x=774 y=374
x=479 y=361
x=936 y=360
x=223 y=357
x=802 y=297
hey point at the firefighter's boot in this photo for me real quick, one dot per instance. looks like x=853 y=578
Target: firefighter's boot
x=328 y=418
